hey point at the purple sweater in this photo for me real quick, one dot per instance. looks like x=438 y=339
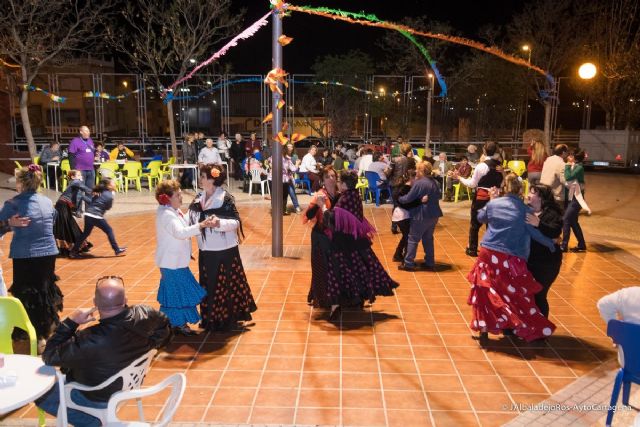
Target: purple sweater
x=78 y=149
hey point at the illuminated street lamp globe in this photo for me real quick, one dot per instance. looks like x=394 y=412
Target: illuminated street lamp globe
x=587 y=71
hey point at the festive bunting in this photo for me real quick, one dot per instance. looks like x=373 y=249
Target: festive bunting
x=281 y=138
x=280 y=104
x=267 y=118
x=6 y=64
x=247 y=33
x=51 y=96
x=104 y=95
x=373 y=21
x=297 y=137
x=284 y=40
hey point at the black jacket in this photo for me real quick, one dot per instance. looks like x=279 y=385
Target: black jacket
x=542 y=263
x=238 y=150
x=94 y=354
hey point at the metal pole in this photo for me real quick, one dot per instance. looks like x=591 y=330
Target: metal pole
x=429 y=98
x=588 y=107
x=277 y=204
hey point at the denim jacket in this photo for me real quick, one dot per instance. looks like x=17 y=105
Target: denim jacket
x=100 y=204
x=35 y=240
x=507 y=231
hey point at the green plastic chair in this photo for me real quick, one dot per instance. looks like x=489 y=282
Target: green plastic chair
x=166 y=170
x=132 y=172
x=13 y=315
x=155 y=172
x=65 y=167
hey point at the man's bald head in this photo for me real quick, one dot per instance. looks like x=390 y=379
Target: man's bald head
x=110 y=298
x=85 y=132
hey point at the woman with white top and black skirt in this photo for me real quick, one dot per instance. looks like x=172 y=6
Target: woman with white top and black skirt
x=229 y=299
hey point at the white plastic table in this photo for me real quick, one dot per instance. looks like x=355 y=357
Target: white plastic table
x=56 y=166
x=177 y=166
x=34 y=379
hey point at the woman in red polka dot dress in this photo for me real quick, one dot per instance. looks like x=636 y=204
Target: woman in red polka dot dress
x=503 y=289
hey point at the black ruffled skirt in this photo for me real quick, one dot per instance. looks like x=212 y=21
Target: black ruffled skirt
x=34 y=285
x=66 y=230
x=229 y=299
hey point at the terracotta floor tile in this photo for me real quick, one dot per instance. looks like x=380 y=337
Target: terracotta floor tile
x=441 y=383
x=361 y=399
x=495 y=402
x=241 y=379
x=398 y=366
x=364 y=418
x=523 y=384
x=401 y=382
x=321 y=380
x=454 y=418
x=272 y=415
x=234 y=397
x=247 y=363
x=405 y=400
x=435 y=367
x=189 y=413
x=359 y=365
x=495 y=419
x=400 y=418
x=319 y=398
x=482 y=383
x=360 y=381
x=557 y=384
x=318 y=416
x=227 y=415
x=281 y=379
x=284 y=363
x=276 y=397
x=450 y=401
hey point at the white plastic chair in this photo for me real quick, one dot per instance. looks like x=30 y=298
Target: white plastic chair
x=177 y=381
x=256 y=179
x=131 y=376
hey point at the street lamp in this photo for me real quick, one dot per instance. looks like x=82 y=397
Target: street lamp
x=429 y=100
x=382 y=91
x=587 y=71
x=526 y=48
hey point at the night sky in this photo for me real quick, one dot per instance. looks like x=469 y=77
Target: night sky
x=316 y=36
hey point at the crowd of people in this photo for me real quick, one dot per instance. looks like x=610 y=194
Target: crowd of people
x=518 y=258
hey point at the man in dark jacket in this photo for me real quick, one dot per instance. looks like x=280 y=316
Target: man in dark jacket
x=238 y=152
x=94 y=354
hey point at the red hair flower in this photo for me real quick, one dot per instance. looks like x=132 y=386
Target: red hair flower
x=215 y=172
x=34 y=168
x=164 y=199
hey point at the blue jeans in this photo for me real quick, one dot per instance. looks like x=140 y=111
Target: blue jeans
x=89 y=178
x=570 y=222
x=102 y=224
x=50 y=400
x=292 y=194
x=421 y=230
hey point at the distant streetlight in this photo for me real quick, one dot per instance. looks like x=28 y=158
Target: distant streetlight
x=587 y=71
x=193 y=61
x=527 y=48
x=125 y=83
x=382 y=91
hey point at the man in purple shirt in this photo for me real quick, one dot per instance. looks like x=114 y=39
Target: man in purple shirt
x=82 y=153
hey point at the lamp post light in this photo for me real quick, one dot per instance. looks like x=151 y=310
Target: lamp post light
x=429 y=100
x=587 y=71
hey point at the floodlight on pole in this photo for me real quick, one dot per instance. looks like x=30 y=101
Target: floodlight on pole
x=587 y=71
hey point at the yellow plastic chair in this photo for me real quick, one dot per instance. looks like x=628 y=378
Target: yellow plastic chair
x=155 y=173
x=345 y=165
x=166 y=170
x=18 y=165
x=132 y=172
x=111 y=170
x=45 y=182
x=13 y=315
x=457 y=188
x=363 y=185
x=420 y=152
x=517 y=166
x=65 y=167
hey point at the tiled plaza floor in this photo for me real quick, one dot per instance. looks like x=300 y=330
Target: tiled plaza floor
x=408 y=360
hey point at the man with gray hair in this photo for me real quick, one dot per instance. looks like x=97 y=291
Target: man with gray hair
x=92 y=355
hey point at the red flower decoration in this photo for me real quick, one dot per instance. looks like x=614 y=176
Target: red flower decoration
x=164 y=199
x=215 y=172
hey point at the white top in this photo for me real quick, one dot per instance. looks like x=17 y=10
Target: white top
x=379 y=168
x=209 y=156
x=624 y=303
x=173 y=238
x=223 y=237
x=553 y=175
x=34 y=379
x=223 y=145
x=399 y=214
x=472 y=182
x=363 y=163
x=308 y=164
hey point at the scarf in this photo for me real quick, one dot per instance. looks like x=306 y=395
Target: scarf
x=228 y=210
x=349 y=217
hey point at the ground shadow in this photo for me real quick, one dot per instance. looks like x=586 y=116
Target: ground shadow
x=558 y=347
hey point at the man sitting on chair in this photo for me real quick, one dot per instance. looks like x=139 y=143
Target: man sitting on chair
x=94 y=354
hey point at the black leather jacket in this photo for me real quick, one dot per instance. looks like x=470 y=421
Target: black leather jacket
x=94 y=354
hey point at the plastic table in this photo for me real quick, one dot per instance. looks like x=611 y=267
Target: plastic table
x=34 y=379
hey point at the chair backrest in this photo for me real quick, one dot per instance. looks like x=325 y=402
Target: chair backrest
x=154 y=167
x=255 y=176
x=517 y=166
x=177 y=381
x=133 y=169
x=345 y=164
x=111 y=165
x=13 y=315
x=626 y=335
x=17 y=163
x=36 y=160
x=65 y=166
x=372 y=179
x=171 y=160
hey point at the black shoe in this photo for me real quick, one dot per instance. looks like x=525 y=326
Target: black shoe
x=578 y=249
x=563 y=249
x=483 y=339
x=394 y=228
x=185 y=330
x=405 y=267
x=469 y=252
x=75 y=255
x=398 y=258
x=120 y=251
x=508 y=332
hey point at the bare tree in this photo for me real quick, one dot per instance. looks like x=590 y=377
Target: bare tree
x=165 y=36
x=36 y=33
x=615 y=48
x=553 y=31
